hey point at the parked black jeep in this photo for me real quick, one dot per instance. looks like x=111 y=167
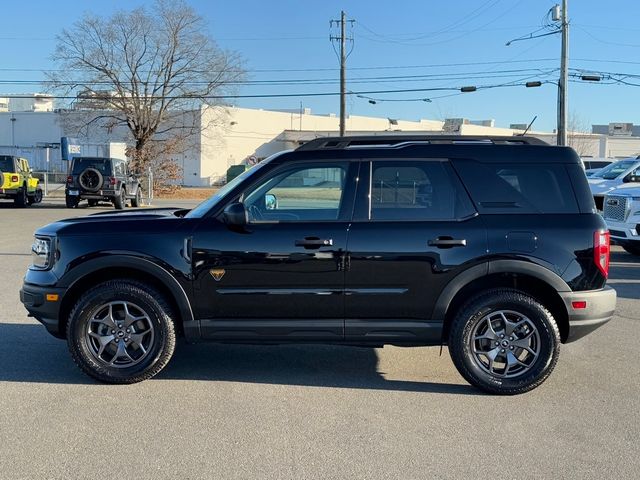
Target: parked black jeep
x=98 y=179
x=491 y=246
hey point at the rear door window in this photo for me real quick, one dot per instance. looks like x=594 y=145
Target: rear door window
x=518 y=187
x=416 y=190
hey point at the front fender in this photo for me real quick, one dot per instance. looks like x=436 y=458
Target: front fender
x=75 y=275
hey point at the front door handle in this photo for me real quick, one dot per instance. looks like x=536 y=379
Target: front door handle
x=314 y=242
x=447 y=242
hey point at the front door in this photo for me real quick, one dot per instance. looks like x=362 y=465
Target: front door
x=282 y=276
x=414 y=229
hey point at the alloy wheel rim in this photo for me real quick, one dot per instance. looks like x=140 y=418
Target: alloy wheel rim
x=120 y=334
x=505 y=344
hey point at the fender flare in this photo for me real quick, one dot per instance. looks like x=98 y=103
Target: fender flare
x=75 y=275
x=488 y=268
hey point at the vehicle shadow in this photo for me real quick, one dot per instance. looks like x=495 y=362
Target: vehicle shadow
x=29 y=354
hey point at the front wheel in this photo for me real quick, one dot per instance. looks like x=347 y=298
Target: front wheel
x=36 y=197
x=504 y=342
x=137 y=200
x=121 y=331
x=632 y=249
x=120 y=199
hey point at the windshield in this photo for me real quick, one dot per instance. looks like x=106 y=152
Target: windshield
x=208 y=204
x=103 y=165
x=616 y=169
x=6 y=165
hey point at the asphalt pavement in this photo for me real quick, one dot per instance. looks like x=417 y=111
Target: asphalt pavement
x=295 y=412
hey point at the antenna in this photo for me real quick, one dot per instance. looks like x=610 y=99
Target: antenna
x=529 y=126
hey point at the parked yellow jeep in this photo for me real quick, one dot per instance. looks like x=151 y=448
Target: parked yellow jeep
x=17 y=182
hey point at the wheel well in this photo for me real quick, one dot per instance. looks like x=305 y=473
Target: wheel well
x=94 y=278
x=538 y=289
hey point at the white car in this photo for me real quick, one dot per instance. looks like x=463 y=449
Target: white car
x=622 y=214
x=612 y=177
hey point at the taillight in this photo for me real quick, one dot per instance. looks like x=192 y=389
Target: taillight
x=112 y=180
x=601 y=251
x=14 y=178
x=69 y=179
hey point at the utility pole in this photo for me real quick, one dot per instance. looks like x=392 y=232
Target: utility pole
x=563 y=83
x=343 y=65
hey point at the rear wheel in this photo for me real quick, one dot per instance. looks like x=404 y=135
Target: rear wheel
x=21 y=199
x=120 y=199
x=504 y=342
x=632 y=249
x=121 y=331
x=71 y=201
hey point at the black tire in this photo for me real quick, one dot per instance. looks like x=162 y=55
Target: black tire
x=632 y=249
x=90 y=179
x=120 y=200
x=159 y=316
x=92 y=202
x=21 y=199
x=36 y=197
x=473 y=368
x=71 y=201
x=137 y=200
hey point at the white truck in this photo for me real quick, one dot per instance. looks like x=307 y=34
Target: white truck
x=621 y=211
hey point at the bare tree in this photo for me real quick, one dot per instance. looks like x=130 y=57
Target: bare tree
x=143 y=69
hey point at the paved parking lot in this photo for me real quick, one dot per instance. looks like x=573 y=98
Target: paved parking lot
x=310 y=411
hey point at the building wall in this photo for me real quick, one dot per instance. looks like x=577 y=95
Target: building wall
x=236 y=133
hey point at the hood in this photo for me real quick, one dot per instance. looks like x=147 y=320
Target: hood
x=148 y=220
x=600 y=186
x=628 y=189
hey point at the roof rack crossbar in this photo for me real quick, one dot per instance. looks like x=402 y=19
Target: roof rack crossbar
x=399 y=141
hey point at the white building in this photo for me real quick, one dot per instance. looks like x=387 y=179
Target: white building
x=230 y=135
x=27 y=102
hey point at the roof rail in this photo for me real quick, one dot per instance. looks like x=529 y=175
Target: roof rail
x=399 y=141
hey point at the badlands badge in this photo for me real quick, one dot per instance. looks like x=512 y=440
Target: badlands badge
x=217 y=273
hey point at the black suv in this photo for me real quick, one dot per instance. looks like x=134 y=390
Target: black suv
x=97 y=178
x=491 y=246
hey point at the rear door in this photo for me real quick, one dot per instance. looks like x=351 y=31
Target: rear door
x=414 y=229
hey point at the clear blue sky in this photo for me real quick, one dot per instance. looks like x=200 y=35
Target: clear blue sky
x=424 y=35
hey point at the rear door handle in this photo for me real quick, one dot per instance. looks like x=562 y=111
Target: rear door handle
x=447 y=242
x=314 y=242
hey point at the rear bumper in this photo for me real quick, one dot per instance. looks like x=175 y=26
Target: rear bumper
x=34 y=299
x=600 y=307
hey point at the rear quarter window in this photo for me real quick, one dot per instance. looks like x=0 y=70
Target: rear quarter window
x=524 y=188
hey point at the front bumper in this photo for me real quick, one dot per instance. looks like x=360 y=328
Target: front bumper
x=600 y=307
x=34 y=299
x=623 y=232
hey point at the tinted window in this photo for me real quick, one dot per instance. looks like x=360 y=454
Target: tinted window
x=518 y=188
x=414 y=190
x=119 y=168
x=299 y=194
x=103 y=165
x=6 y=164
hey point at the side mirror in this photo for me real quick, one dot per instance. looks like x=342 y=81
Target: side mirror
x=270 y=201
x=235 y=215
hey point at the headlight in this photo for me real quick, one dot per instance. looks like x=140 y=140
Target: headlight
x=41 y=254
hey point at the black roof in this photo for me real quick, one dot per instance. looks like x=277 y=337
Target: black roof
x=399 y=141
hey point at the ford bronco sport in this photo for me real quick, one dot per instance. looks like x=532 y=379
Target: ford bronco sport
x=490 y=245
